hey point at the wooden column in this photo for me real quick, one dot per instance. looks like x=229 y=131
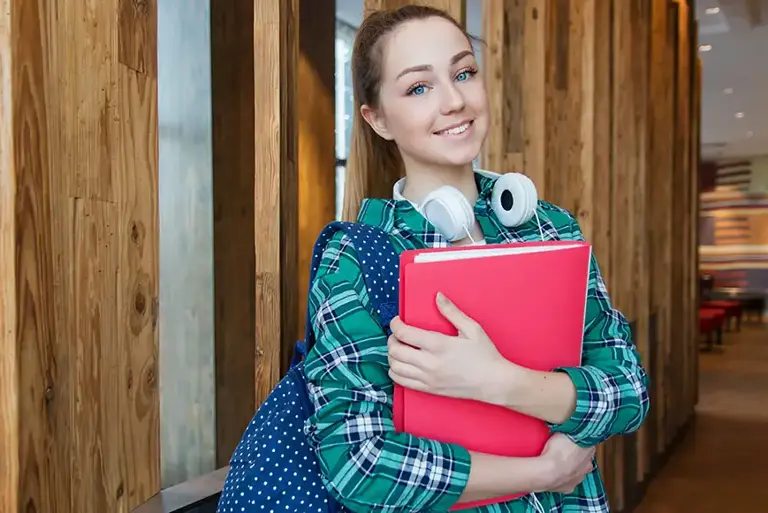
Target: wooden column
x=695 y=213
x=275 y=41
x=628 y=284
x=79 y=249
x=234 y=253
x=660 y=214
x=317 y=136
x=9 y=369
x=255 y=204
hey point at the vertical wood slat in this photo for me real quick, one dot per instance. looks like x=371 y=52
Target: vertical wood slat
x=9 y=371
x=659 y=206
x=317 y=136
x=693 y=184
x=503 y=58
x=641 y=273
x=84 y=129
x=234 y=197
x=695 y=209
x=624 y=221
x=275 y=41
x=675 y=335
x=682 y=173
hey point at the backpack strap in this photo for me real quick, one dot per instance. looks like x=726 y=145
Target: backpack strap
x=380 y=265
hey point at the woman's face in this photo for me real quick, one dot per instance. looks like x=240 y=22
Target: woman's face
x=432 y=99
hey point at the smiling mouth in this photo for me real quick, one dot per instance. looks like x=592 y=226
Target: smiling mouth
x=456 y=130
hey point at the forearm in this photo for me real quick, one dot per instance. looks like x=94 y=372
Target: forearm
x=496 y=476
x=548 y=396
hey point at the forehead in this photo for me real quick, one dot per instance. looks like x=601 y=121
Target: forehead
x=431 y=41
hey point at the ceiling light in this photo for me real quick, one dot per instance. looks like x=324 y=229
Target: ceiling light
x=739 y=115
x=750 y=134
x=728 y=90
x=712 y=10
x=705 y=48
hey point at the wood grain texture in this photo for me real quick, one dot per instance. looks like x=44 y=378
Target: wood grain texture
x=137 y=43
x=234 y=154
x=503 y=65
x=641 y=272
x=275 y=41
x=659 y=202
x=84 y=157
x=9 y=371
x=317 y=135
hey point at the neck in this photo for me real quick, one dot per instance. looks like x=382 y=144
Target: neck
x=421 y=180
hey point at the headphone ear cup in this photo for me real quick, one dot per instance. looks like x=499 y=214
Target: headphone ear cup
x=531 y=196
x=510 y=200
x=449 y=211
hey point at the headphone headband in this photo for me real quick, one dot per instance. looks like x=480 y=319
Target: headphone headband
x=513 y=200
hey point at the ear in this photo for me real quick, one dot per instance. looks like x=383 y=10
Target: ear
x=376 y=121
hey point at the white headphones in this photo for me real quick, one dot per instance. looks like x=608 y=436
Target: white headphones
x=513 y=200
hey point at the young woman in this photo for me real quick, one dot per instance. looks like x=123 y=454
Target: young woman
x=421 y=111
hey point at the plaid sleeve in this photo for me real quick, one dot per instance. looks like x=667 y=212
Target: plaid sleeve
x=611 y=384
x=366 y=465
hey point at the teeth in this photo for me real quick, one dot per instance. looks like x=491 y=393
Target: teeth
x=455 y=131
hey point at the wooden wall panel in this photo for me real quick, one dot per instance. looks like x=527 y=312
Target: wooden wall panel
x=9 y=372
x=695 y=209
x=234 y=196
x=275 y=41
x=317 y=136
x=682 y=270
x=503 y=70
x=591 y=86
x=83 y=126
x=659 y=207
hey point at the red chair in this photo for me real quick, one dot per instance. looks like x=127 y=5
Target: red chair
x=732 y=309
x=711 y=322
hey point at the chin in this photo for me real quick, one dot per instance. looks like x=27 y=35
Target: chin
x=458 y=154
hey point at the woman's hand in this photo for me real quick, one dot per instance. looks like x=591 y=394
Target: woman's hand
x=466 y=366
x=569 y=463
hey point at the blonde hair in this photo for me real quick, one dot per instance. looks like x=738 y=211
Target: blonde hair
x=374 y=164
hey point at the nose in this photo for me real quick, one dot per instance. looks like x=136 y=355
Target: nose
x=452 y=101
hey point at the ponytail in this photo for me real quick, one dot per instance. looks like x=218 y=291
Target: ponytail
x=373 y=166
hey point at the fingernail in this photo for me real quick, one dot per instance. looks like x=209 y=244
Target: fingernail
x=440 y=297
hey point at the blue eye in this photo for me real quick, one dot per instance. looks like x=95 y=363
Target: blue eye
x=464 y=75
x=418 y=90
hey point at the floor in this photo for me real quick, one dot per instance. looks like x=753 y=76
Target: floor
x=722 y=465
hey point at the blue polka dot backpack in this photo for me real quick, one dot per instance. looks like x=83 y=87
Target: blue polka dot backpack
x=273 y=469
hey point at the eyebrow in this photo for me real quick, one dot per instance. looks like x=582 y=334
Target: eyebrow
x=426 y=67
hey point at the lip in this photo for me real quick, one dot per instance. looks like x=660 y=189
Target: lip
x=455 y=125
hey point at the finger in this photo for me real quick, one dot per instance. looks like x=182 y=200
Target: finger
x=413 y=384
x=415 y=337
x=455 y=316
x=403 y=353
x=406 y=370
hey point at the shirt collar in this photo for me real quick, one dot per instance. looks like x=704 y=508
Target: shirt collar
x=399 y=217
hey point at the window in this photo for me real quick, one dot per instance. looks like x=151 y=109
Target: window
x=345 y=35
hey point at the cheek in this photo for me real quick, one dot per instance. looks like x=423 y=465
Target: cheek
x=413 y=118
x=477 y=99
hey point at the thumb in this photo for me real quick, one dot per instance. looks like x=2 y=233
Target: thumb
x=450 y=311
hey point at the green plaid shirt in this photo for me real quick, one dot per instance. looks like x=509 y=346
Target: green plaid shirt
x=366 y=464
